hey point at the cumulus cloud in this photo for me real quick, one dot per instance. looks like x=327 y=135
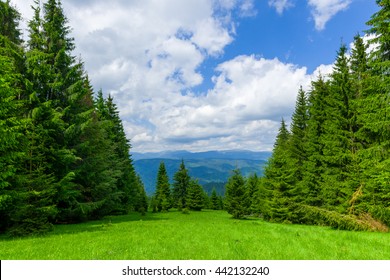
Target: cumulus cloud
x=280 y=5
x=148 y=55
x=324 y=10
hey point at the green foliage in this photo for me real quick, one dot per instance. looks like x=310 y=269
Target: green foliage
x=195 y=196
x=236 y=195
x=214 y=201
x=181 y=183
x=320 y=216
x=64 y=157
x=163 y=191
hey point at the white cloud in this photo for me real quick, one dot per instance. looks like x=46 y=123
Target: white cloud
x=280 y=5
x=324 y=10
x=148 y=55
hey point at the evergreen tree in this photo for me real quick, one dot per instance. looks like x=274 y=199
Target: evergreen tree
x=251 y=188
x=313 y=168
x=163 y=192
x=195 y=198
x=299 y=123
x=261 y=200
x=338 y=135
x=9 y=23
x=279 y=178
x=12 y=140
x=141 y=202
x=236 y=195
x=375 y=117
x=181 y=183
x=214 y=200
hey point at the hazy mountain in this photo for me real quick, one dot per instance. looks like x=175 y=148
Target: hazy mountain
x=229 y=154
x=210 y=168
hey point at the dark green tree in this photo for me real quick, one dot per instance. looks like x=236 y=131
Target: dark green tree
x=12 y=139
x=312 y=167
x=195 y=198
x=338 y=136
x=181 y=183
x=214 y=200
x=278 y=178
x=163 y=191
x=236 y=195
x=251 y=188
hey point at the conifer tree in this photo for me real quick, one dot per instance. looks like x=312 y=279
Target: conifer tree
x=141 y=201
x=235 y=195
x=251 y=187
x=278 y=177
x=195 y=198
x=338 y=135
x=214 y=201
x=12 y=140
x=127 y=181
x=299 y=123
x=313 y=168
x=181 y=183
x=375 y=116
x=163 y=192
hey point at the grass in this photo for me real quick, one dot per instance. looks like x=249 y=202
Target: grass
x=205 y=235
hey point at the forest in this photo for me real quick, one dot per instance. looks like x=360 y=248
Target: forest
x=65 y=158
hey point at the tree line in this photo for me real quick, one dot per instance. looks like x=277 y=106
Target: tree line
x=332 y=166
x=185 y=193
x=64 y=156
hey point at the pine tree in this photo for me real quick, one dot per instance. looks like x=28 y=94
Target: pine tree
x=9 y=23
x=338 y=136
x=251 y=188
x=181 y=183
x=375 y=117
x=299 y=124
x=163 y=192
x=141 y=202
x=261 y=200
x=127 y=182
x=313 y=168
x=195 y=198
x=12 y=139
x=279 y=178
x=236 y=195
x=214 y=201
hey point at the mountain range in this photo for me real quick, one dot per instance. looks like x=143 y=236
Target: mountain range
x=211 y=168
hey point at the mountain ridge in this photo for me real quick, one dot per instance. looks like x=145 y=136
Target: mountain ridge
x=211 y=167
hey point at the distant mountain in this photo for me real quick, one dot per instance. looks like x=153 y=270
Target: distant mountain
x=210 y=168
x=229 y=154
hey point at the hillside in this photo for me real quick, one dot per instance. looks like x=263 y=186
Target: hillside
x=208 y=167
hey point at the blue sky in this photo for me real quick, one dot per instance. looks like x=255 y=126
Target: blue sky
x=208 y=74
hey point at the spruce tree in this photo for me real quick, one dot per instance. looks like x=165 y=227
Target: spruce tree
x=12 y=139
x=279 y=178
x=181 y=183
x=214 y=201
x=338 y=136
x=251 y=189
x=236 y=195
x=375 y=117
x=299 y=123
x=163 y=192
x=312 y=166
x=195 y=198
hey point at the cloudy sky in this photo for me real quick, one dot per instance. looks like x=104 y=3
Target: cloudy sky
x=208 y=74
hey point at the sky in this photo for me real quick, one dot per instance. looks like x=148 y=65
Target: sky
x=204 y=75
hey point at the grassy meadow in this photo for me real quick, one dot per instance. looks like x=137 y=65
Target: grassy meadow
x=205 y=235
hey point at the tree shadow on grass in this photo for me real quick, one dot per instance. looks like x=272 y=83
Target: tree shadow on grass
x=101 y=225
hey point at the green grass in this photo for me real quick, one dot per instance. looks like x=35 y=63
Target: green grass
x=206 y=235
